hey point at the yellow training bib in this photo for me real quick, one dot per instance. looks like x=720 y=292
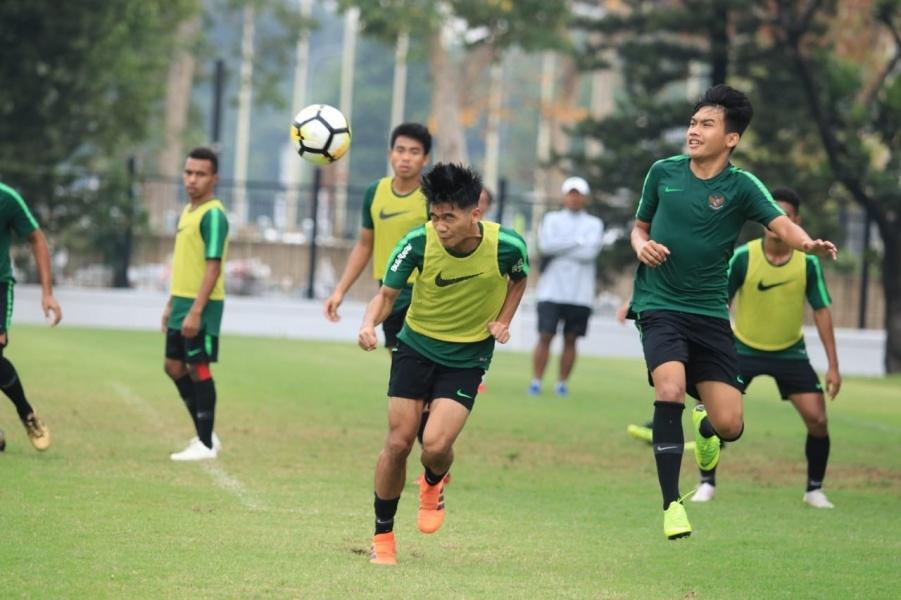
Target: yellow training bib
x=189 y=257
x=393 y=217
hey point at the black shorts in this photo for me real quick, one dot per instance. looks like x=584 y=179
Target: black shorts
x=6 y=305
x=417 y=377
x=574 y=317
x=705 y=346
x=201 y=348
x=793 y=376
x=392 y=326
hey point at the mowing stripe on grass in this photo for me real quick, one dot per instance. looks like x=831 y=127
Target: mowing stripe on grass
x=220 y=476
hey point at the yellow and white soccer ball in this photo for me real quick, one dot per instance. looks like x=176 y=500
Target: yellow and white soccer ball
x=321 y=134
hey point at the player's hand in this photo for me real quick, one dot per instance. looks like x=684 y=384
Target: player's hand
x=500 y=331
x=833 y=383
x=621 y=313
x=50 y=305
x=653 y=254
x=164 y=322
x=190 y=327
x=330 y=308
x=367 y=338
x=822 y=248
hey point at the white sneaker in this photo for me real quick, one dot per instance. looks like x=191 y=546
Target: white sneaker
x=217 y=445
x=817 y=499
x=704 y=493
x=195 y=451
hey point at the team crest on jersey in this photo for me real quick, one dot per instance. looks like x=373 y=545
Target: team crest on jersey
x=716 y=201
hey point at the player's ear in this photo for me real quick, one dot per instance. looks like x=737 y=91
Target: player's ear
x=732 y=140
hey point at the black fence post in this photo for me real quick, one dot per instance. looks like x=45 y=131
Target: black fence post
x=864 y=273
x=123 y=261
x=218 y=93
x=501 y=199
x=314 y=207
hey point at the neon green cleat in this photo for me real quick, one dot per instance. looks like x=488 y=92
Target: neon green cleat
x=707 y=450
x=640 y=432
x=675 y=522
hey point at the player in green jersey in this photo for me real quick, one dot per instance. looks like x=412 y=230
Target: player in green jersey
x=772 y=281
x=470 y=276
x=193 y=314
x=392 y=207
x=15 y=218
x=691 y=211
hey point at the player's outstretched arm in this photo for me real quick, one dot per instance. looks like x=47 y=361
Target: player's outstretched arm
x=377 y=311
x=647 y=250
x=500 y=327
x=823 y=319
x=797 y=238
x=42 y=259
x=356 y=262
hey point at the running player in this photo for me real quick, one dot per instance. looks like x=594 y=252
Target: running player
x=772 y=281
x=691 y=210
x=193 y=314
x=15 y=218
x=470 y=278
x=392 y=207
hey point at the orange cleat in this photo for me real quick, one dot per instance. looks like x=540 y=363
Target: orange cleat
x=383 y=550
x=431 y=505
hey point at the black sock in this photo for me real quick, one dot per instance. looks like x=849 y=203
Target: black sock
x=706 y=428
x=708 y=476
x=205 y=396
x=384 y=514
x=12 y=387
x=186 y=390
x=433 y=478
x=817 y=451
x=668 y=445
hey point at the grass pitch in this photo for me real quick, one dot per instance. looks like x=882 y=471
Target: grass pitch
x=550 y=498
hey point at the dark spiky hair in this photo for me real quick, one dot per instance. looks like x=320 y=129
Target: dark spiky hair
x=203 y=153
x=786 y=194
x=737 y=107
x=453 y=184
x=415 y=131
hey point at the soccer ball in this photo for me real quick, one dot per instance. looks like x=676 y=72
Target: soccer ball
x=321 y=134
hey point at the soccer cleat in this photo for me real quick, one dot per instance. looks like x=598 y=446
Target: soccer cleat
x=534 y=388
x=431 y=505
x=675 y=522
x=383 y=550
x=217 y=445
x=817 y=499
x=37 y=432
x=704 y=493
x=195 y=451
x=561 y=389
x=707 y=450
x=641 y=432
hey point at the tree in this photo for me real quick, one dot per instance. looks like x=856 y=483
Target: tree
x=463 y=37
x=79 y=84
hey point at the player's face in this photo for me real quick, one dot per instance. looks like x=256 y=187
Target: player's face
x=574 y=201
x=407 y=157
x=790 y=212
x=706 y=136
x=199 y=178
x=453 y=224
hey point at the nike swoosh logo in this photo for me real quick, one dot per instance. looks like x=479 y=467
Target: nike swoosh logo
x=442 y=282
x=665 y=448
x=462 y=395
x=672 y=189
x=194 y=352
x=763 y=287
x=387 y=215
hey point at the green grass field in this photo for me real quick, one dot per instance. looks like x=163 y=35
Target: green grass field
x=550 y=498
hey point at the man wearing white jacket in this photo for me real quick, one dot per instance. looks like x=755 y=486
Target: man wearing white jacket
x=569 y=241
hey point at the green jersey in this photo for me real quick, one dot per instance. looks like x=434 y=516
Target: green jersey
x=14 y=218
x=699 y=221
x=500 y=247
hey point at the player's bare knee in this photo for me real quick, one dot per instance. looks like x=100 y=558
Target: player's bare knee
x=174 y=368
x=670 y=392
x=435 y=445
x=730 y=430
x=817 y=425
x=398 y=446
